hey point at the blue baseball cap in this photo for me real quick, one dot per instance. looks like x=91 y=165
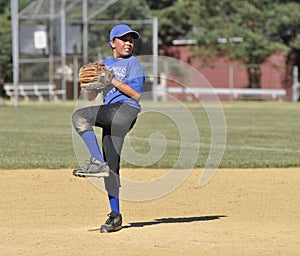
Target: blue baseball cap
x=121 y=30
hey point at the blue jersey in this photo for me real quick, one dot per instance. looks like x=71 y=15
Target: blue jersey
x=129 y=71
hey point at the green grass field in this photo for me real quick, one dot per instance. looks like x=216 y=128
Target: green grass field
x=259 y=134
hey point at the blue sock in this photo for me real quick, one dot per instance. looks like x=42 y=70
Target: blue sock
x=114 y=202
x=90 y=140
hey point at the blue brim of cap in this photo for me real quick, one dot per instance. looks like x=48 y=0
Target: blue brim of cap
x=135 y=34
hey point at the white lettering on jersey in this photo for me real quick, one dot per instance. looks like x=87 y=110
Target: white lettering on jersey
x=119 y=72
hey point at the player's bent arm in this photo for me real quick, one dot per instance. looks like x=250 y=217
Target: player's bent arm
x=91 y=94
x=126 y=89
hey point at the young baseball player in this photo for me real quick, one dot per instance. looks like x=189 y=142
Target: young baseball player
x=116 y=117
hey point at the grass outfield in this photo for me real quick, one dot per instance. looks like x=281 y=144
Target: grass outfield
x=259 y=134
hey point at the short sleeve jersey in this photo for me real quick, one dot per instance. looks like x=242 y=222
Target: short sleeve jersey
x=129 y=71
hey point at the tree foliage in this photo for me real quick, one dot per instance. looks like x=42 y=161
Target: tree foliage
x=265 y=26
x=244 y=30
x=174 y=19
x=5 y=40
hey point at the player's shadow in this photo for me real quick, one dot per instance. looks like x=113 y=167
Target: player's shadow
x=169 y=220
x=172 y=220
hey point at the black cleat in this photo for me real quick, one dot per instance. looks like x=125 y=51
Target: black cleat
x=112 y=224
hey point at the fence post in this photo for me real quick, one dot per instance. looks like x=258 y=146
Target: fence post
x=296 y=85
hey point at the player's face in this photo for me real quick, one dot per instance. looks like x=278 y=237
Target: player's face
x=123 y=46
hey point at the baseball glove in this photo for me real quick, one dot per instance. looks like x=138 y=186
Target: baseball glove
x=94 y=76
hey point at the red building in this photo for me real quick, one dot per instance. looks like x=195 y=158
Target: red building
x=223 y=73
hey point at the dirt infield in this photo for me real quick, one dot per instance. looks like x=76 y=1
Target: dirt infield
x=240 y=212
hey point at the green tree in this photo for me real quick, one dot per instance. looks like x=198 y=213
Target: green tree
x=265 y=26
x=174 y=19
x=5 y=40
x=6 y=37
